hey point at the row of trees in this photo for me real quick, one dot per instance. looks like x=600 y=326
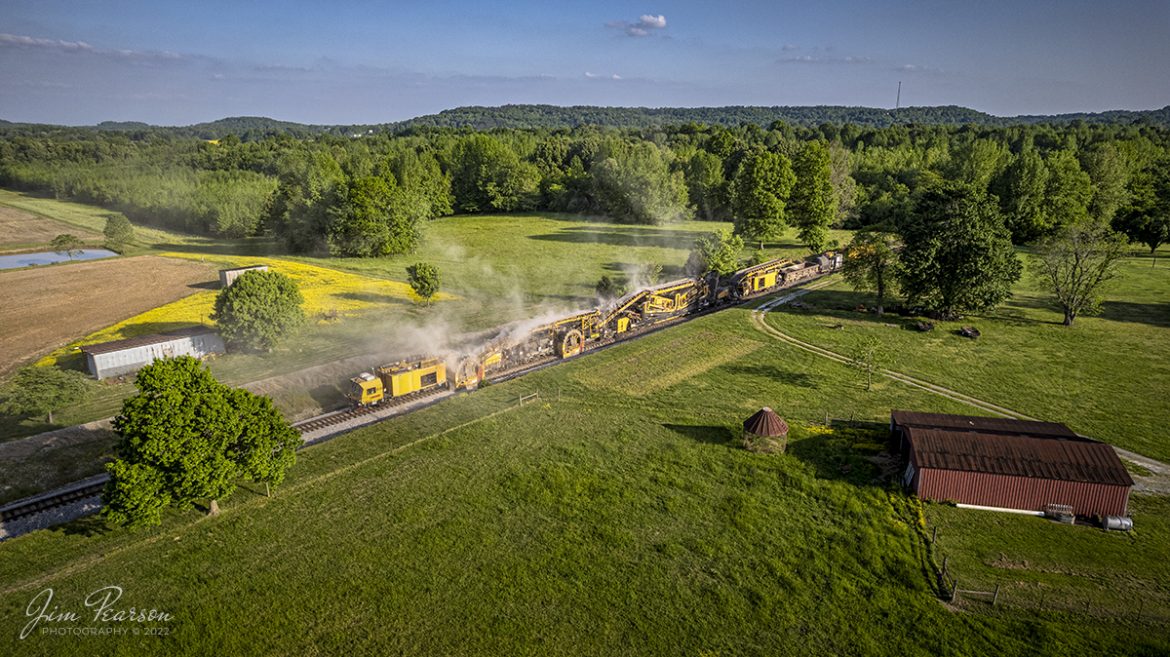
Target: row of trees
x=952 y=254
x=372 y=196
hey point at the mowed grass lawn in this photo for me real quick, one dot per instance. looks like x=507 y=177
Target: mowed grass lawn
x=1106 y=376
x=590 y=522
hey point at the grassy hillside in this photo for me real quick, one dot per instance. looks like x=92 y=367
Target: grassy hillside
x=1105 y=376
x=603 y=519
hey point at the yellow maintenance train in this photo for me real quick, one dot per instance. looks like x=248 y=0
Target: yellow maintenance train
x=514 y=348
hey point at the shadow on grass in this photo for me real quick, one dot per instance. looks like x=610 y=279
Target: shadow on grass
x=205 y=285
x=714 y=435
x=327 y=396
x=1154 y=314
x=375 y=297
x=621 y=236
x=14 y=426
x=774 y=373
x=669 y=272
x=89 y=526
x=258 y=247
x=855 y=452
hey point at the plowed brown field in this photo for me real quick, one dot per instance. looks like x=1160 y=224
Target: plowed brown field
x=43 y=308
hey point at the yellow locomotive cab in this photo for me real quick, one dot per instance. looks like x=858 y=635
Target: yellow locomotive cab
x=366 y=389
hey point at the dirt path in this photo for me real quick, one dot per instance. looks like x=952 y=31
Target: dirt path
x=1157 y=483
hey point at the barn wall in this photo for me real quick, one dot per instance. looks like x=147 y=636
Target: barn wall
x=1027 y=493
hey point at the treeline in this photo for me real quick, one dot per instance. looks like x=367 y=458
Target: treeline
x=552 y=117
x=373 y=196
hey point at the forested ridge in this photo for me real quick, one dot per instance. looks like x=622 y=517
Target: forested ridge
x=367 y=192
x=556 y=116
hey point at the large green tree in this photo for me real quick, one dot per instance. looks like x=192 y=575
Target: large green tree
x=1022 y=191
x=1068 y=193
x=185 y=437
x=1076 y=262
x=259 y=309
x=1109 y=172
x=43 y=391
x=1146 y=218
x=871 y=263
x=419 y=174
x=715 y=252
x=759 y=195
x=634 y=183
x=118 y=232
x=813 y=203
x=297 y=212
x=489 y=176
x=373 y=216
x=68 y=244
x=359 y=218
x=706 y=185
x=424 y=280
x=958 y=255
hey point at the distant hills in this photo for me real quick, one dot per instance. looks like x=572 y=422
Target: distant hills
x=553 y=116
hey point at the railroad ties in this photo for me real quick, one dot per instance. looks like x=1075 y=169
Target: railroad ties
x=81 y=498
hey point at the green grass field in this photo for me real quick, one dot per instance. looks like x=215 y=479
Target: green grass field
x=1042 y=565
x=486 y=260
x=588 y=522
x=1105 y=376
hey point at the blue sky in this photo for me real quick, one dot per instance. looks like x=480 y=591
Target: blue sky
x=175 y=63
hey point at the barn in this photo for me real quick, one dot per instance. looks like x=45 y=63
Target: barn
x=1010 y=464
x=229 y=276
x=124 y=356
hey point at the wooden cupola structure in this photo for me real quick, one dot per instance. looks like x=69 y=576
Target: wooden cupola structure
x=765 y=432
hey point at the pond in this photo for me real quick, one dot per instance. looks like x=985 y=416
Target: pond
x=50 y=257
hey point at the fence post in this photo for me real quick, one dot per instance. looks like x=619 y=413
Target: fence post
x=934 y=536
x=995 y=596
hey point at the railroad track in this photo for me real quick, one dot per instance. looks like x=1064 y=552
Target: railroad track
x=345 y=415
x=31 y=506
x=93 y=486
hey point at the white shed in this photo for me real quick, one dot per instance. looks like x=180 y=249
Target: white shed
x=229 y=276
x=124 y=356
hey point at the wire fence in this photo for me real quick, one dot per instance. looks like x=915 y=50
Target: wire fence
x=1084 y=597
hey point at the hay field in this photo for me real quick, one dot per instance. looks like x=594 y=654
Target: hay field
x=24 y=229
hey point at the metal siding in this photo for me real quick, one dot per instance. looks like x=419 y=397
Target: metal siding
x=1031 y=494
x=116 y=363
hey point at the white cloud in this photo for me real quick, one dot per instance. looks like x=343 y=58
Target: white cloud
x=814 y=59
x=37 y=43
x=644 y=26
x=651 y=21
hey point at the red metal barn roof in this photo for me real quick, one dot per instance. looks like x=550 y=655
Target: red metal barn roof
x=765 y=423
x=1080 y=460
x=981 y=424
